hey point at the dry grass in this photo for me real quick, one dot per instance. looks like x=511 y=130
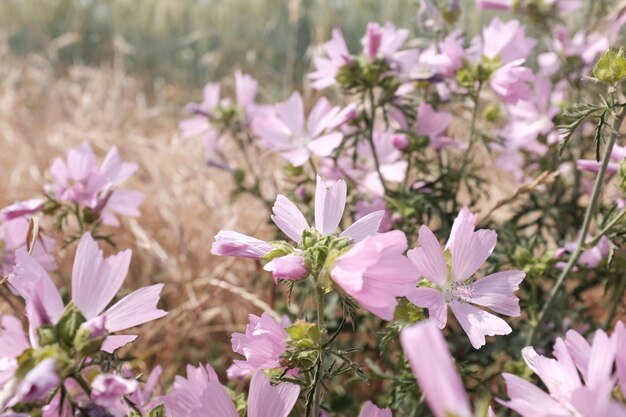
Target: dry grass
x=43 y=114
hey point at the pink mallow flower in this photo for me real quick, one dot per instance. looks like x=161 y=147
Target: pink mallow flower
x=506 y=41
x=95 y=281
x=618 y=154
x=108 y=391
x=290 y=268
x=433 y=366
x=79 y=180
x=383 y=41
x=201 y=394
x=434 y=124
x=375 y=272
x=13 y=235
x=330 y=203
x=450 y=285
x=511 y=81
x=326 y=68
x=263 y=343
x=569 y=395
x=295 y=139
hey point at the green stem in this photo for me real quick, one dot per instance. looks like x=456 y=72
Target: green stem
x=370 y=137
x=472 y=140
x=589 y=215
x=317 y=394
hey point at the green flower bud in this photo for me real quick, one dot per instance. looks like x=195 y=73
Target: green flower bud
x=46 y=335
x=239 y=175
x=304 y=335
x=158 y=411
x=281 y=248
x=69 y=323
x=492 y=113
x=611 y=67
x=85 y=344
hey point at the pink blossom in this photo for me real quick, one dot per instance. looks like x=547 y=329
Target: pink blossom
x=369 y=409
x=13 y=234
x=469 y=249
x=448 y=56
x=330 y=203
x=567 y=394
x=147 y=395
x=433 y=366
x=201 y=394
x=95 y=281
x=510 y=82
x=264 y=342
x=506 y=41
x=21 y=209
x=37 y=384
x=289 y=267
x=434 y=124
x=590 y=257
x=326 y=68
x=79 y=180
x=383 y=41
x=363 y=208
x=296 y=140
x=375 y=272
x=618 y=154
x=107 y=390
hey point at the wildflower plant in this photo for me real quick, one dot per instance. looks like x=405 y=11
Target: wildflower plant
x=507 y=141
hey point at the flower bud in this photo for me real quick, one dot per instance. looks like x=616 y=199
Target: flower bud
x=290 y=267
x=611 y=67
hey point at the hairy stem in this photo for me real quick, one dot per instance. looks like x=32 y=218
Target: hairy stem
x=317 y=395
x=589 y=215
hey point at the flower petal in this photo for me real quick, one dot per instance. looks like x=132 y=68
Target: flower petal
x=329 y=205
x=434 y=301
x=496 y=291
x=428 y=258
x=366 y=226
x=136 y=308
x=265 y=400
x=478 y=323
x=289 y=218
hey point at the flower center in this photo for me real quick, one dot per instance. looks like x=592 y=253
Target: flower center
x=458 y=292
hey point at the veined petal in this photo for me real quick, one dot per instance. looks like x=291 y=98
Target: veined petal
x=428 y=258
x=496 y=291
x=366 y=226
x=329 y=205
x=434 y=301
x=116 y=341
x=289 y=218
x=291 y=112
x=136 y=308
x=370 y=410
x=229 y=243
x=528 y=400
x=96 y=280
x=265 y=400
x=478 y=323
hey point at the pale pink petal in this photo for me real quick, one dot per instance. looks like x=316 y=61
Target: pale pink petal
x=115 y=169
x=125 y=202
x=229 y=243
x=13 y=339
x=602 y=357
x=478 y=323
x=469 y=249
x=291 y=112
x=265 y=400
x=116 y=341
x=367 y=225
x=324 y=145
x=96 y=280
x=329 y=205
x=434 y=301
x=620 y=360
x=579 y=349
x=289 y=218
x=136 y=308
x=433 y=366
x=370 y=410
x=528 y=400
x=429 y=258
x=497 y=291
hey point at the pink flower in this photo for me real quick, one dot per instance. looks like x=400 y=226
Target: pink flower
x=13 y=342
x=326 y=68
x=107 y=390
x=363 y=208
x=296 y=140
x=618 y=155
x=448 y=56
x=370 y=410
x=469 y=249
x=383 y=41
x=375 y=272
x=289 y=267
x=329 y=206
x=21 y=209
x=590 y=257
x=510 y=82
x=432 y=365
x=201 y=394
x=95 y=281
x=13 y=234
x=264 y=342
x=434 y=124
x=567 y=394
x=506 y=41
x=79 y=180
x=38 y=383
